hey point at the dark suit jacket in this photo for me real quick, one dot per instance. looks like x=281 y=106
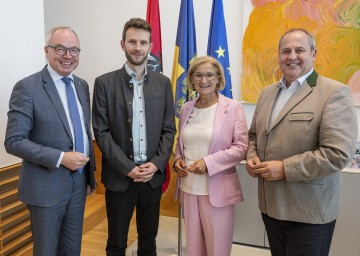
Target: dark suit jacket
x=38 y=131
x=314 y=135
x=112 y=124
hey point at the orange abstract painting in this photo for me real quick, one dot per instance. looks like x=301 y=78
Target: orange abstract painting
x=335 y=25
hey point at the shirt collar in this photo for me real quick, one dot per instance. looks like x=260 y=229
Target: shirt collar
x=299 y=81
x=132 y=73
x=55 y=76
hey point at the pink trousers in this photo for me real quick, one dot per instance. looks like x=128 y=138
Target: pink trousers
x=209 y=230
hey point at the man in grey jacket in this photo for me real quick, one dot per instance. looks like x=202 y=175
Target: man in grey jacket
x=49 y=128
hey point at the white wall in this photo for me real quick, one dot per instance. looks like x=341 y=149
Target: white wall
x=100 y=26
x=22 y=40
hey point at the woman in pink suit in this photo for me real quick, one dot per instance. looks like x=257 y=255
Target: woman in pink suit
x=213 y=138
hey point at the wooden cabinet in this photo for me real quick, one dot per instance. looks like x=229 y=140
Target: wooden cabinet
x=15 y=232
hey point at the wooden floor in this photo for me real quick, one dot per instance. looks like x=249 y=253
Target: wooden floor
x=94 y=241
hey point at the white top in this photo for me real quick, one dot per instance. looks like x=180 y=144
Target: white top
x=196 y=138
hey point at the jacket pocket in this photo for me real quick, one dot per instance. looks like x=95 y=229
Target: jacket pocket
x=301 y=116
x=232 y=185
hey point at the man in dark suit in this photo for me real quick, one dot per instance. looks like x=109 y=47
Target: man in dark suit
x=134 y=126
x=302 y=135
x=49 y=128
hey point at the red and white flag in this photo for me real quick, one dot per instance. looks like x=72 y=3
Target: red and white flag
x=153 y=18
x=154 y=62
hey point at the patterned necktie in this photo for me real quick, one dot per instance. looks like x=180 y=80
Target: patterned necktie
x=75 y=117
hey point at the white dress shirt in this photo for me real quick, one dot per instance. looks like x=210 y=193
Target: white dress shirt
x=286 y=93
x=61 y=89
x=139 y=139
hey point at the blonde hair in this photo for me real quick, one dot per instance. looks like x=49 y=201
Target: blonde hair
x=206 y=59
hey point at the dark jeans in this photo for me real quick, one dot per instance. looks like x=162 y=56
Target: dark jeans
x=120 y=207
x=289 y=238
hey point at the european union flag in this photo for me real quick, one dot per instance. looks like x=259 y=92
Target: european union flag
x=185 y=53
x=217 y=44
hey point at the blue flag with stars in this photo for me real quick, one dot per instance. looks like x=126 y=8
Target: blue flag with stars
x=217 y=44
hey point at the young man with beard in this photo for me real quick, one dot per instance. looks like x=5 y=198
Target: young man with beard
x=134 y=126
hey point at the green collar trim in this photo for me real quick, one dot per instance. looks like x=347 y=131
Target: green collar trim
x=311 y=80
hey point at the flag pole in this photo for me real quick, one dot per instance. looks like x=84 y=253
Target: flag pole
x=185 y=53
x=180 y=231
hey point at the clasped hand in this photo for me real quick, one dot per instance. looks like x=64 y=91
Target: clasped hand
x=269 y=170
x=143 y=173
x=198 y=167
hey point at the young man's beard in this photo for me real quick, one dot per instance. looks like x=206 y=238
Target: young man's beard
x=135 y=62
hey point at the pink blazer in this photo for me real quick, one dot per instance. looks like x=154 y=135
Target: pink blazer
x=227 y=148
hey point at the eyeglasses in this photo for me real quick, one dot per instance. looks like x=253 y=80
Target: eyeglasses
x=61 y=50
x=199 y=76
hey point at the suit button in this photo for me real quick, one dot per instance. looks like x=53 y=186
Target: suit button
x=266 y=152
x=130 y=139
x=129 y=120
x=266 y=133
x=131 y=157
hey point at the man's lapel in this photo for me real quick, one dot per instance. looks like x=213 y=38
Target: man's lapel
x=53 y=94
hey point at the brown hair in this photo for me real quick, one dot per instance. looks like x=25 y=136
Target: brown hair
x=138 y=24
